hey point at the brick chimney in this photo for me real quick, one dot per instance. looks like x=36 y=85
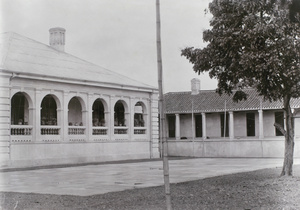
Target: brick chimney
x=195 y=86
x=57 y=38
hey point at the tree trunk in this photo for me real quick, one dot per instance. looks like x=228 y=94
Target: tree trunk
x=287 y=169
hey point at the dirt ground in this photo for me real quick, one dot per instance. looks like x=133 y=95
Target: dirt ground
x=262 y=189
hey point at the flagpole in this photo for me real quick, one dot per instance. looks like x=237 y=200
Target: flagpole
x=161 y=110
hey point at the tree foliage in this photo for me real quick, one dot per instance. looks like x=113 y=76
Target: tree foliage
x=252 y=43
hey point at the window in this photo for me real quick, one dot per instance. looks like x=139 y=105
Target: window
x=171 y=121
x=198 y=119
x=48 y=111
x=19 y=110
x=139 y=120
x=98 y=113
x=250 y=124
x=119 y=115
x=279 y=119
x=75 y=112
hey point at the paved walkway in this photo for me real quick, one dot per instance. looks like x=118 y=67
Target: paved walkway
x=99 y=179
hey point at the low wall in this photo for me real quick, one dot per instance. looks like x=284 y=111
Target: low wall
x=230 y=148
x=41 y=154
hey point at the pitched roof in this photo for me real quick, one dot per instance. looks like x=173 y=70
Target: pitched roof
x=210 y=101
x=22 y=55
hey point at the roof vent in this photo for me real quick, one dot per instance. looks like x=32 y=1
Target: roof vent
x=195 y=86
x=57 y=38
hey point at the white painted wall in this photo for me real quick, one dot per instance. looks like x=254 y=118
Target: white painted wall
x=213 y=125
x=186 y=125
x=37 y=149
x=240 y=124
x=269 y=148
x=24 y=155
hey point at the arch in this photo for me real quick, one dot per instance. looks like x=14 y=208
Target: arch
x=99 y=108
x=49 y=110
x=20 y=113
x=139 y=114
x=120 y=110
x=75 y=111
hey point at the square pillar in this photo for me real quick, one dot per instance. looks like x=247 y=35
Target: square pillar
x=177 y=128
x=65 y=117
x=261 y=124
x=37 y=131
x=89 y=123
x=111 y=129
x=203 y=125
x=231 y=125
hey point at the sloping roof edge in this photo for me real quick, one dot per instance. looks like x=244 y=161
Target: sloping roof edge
x=208 y=101
x=35 y=60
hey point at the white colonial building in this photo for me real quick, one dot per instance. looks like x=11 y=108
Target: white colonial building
x=59 y=109
x=202 y=123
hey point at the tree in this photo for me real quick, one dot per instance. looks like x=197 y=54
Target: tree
x=254 y=43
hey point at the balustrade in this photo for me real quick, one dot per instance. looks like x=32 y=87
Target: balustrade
x=19 y=130
x=140 y=131
x=100 y=131
x=50 y=130
x=120 y=130
x=75 y=130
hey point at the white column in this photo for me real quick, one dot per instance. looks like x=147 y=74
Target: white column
x=203 y=125
x=65 y=117
x=89 y=123
x=112 y=118
x=177 y=128
x=37 y=126
x=130 y=122
x=261 y=124
x=231 y=125
x=193 y=126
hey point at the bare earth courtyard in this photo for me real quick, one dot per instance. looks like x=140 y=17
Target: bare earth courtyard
x=259 y=189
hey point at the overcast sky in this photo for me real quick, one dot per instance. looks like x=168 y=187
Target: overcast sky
x=119 y=35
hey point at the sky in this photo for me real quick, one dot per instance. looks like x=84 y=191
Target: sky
x=119 y=35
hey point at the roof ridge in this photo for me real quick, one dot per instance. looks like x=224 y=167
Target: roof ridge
x=185 y=92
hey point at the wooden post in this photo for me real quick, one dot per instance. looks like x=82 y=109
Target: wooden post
x=161 y=110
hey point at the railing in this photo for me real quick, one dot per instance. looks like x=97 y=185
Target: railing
x=99 y=130
x=50 y=130
x=140 y=130
x=21 y=130
x=76 y=130
x=120 y=130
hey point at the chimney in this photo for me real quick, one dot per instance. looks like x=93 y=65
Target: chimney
x=195 y=86
x=57 y=38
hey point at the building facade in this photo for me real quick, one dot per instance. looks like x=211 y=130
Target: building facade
x=59 y=109
x=204 y=124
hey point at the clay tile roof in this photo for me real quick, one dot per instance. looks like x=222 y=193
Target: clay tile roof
x=21 y=55
x=210 y=101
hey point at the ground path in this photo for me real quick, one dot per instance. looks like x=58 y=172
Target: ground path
x=98 y=179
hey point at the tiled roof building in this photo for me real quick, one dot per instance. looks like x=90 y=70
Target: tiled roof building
x=219 y=127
